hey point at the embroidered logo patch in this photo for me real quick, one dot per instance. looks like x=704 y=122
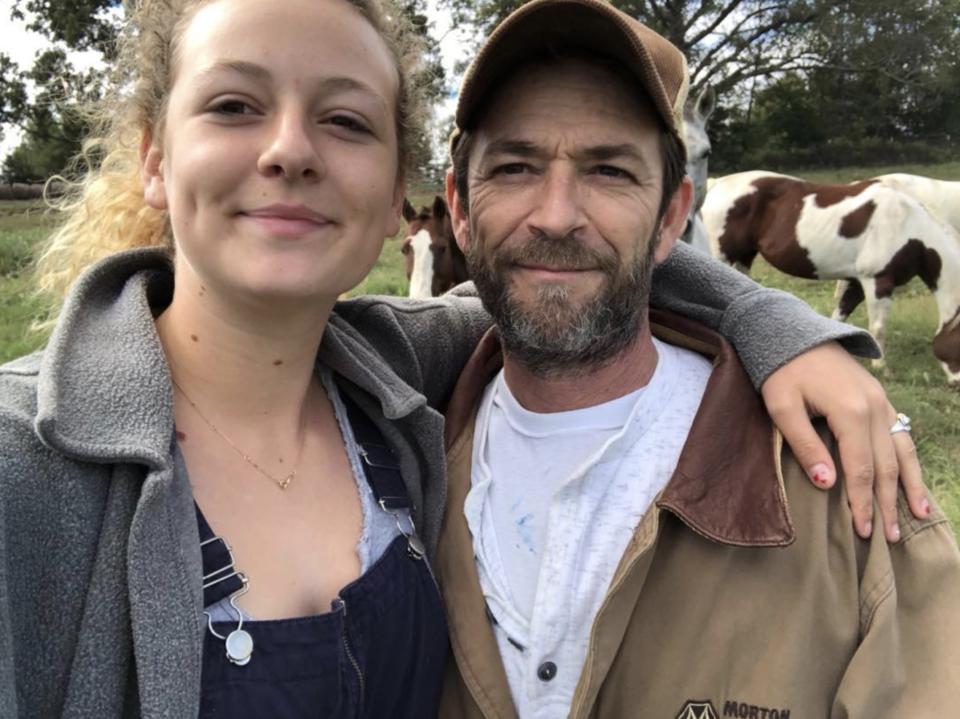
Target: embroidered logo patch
x=697 y=709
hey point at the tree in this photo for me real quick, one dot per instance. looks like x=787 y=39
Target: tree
x=431 y=79
x=725 y=41
x=807 y=81
x=45 y=101
x=78 y=24
x=52 y=123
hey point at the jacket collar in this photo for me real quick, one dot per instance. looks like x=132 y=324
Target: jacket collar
x=104 y=392
x=727 y=485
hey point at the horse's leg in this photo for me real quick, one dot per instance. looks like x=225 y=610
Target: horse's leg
x=850 y=294
x=877 y=310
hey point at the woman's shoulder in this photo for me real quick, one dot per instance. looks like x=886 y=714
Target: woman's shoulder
x=27 y=463
x=18 y=395
x=21 y=450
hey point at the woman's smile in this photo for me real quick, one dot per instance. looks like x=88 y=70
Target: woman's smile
x=287 y=221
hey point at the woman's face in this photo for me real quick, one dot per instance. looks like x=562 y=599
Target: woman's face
x=278 y=155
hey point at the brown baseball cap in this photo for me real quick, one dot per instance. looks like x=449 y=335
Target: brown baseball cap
x=592 y=25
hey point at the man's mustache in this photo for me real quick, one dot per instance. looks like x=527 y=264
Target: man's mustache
x=564 y=252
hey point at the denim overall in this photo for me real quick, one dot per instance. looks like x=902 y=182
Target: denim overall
x=379 y=653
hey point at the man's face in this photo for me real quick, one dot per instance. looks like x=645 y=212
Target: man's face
x=565 y=182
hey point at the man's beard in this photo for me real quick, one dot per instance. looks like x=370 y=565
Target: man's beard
x=557 y=336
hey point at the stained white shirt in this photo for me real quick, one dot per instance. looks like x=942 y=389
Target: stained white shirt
x=554 y=501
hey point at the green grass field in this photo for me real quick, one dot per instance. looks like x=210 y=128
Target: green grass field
x=914 y=380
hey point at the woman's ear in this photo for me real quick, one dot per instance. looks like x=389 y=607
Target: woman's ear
x=151 y=172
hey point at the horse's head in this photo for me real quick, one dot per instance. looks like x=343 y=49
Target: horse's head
x=428 y=246
x=695 y=116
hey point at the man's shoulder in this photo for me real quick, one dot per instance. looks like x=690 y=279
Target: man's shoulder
x=824 y=528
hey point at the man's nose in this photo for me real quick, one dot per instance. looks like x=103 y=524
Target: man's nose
x=558 y=211
x=291 y=151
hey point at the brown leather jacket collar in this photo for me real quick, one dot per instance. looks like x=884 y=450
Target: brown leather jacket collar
x=727 y=485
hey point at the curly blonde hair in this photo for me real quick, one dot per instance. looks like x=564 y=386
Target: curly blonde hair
x=103 y=207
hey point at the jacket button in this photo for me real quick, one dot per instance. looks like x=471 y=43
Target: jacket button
x=547 y=671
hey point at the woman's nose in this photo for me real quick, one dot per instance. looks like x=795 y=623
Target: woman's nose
x=291 y=152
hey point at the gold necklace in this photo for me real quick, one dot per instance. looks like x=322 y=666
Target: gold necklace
x=282 y=482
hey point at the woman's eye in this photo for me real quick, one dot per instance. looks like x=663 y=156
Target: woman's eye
x=349 y=123
x=233 y=107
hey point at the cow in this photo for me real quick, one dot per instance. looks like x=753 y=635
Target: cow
x=863 y=231
x=434 y=262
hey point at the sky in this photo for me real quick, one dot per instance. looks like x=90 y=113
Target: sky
x=22 y=46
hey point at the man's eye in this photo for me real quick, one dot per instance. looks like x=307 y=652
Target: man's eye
x=233 y=107
x=511 y=168
x=611 y=171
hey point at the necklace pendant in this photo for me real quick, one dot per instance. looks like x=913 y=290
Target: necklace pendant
x=283 y=483
x=239 y=647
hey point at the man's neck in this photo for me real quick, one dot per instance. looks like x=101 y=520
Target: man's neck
x=585 y=386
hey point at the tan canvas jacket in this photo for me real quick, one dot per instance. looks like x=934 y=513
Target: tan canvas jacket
x=743 y=593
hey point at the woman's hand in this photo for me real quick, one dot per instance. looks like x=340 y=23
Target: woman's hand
x=828 y=382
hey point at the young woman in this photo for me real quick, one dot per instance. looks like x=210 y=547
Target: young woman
x=218 y=495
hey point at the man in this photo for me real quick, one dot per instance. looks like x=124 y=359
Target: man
x=626 y=534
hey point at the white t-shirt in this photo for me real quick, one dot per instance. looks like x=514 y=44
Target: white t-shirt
x=554 y=501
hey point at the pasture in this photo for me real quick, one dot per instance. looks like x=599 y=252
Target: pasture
x=913 y=379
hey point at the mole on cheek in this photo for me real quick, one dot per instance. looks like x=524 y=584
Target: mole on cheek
x=194 y=338
x=277 y=363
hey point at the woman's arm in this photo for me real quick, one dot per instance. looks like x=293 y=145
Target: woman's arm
x=790 y=353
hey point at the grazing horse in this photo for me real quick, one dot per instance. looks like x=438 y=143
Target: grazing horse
x=434 y=262
x=863 y=231
x=695 y=116
x=940 y=197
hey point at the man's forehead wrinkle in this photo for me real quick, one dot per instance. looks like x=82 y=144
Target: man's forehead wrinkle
x=513 y=146
x=601 y=152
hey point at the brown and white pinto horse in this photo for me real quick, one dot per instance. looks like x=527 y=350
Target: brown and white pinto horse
x=940 y=197
x=863 y=231
x=434 y=262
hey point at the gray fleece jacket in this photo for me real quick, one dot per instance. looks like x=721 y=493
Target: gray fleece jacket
x=100 y=570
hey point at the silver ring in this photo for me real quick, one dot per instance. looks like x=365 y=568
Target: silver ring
x=901 y=425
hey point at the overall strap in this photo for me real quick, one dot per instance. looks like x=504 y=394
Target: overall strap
x=383 y=475
x=379 y=463
x=220 y=578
